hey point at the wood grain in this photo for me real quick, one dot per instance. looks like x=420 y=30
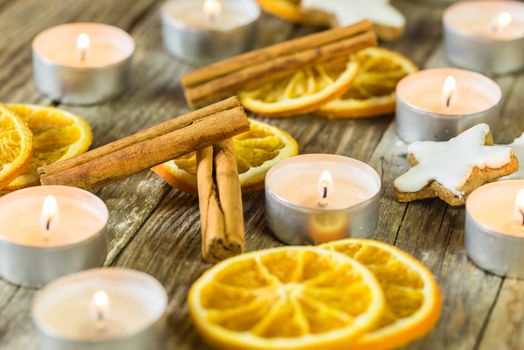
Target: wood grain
x=155 y=229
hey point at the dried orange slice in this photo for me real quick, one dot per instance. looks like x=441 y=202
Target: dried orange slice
x=15 y=145
x=373 y=91
x=286 y=9
x=286 y=298
x=256 y=152
x=58 y=135
x=413 y=301
x=302 y=92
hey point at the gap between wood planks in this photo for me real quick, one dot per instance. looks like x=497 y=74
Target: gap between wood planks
x=485 y=324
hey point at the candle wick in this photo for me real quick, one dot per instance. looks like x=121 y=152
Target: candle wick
x=100 y=321
x=48 y=225
x=522 y=213
x=323 y=203
x=83 y=54
x=212 y=18
x=448 y=101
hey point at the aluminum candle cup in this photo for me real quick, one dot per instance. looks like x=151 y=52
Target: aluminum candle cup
x=49 y=231
x=316 y=198
x=485 y=36
x=431 y=107
x=82 y=63
x=494 y=232
x=206 y=31
x=102 y=309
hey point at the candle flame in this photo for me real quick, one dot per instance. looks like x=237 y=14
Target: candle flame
x=449 y=92
x=83 y=42
x=212 y=9
x=49 y=216
x=100 y=305
x=519 y=206
x=500 y=21
x=325 y=187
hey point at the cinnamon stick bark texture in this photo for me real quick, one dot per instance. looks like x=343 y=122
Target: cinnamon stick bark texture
x=150 y=147
x=220 y=200
x=263 y=65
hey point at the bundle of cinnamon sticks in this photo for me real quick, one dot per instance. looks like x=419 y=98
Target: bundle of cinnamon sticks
x=149 y=147
x=208 y=131
x=257 y=67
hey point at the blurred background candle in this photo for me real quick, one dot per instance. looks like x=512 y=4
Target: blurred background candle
x=113 y=309
x=494 y=232
x=486 y=36
x=82 y=63
x=204 y=31
x=438 y=104
x=315 y=198
x=50 y=231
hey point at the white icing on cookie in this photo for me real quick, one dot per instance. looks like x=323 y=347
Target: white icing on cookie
x=450 y=163
x=349 y=12
x=518 y=150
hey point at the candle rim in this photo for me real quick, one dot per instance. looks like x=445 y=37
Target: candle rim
x=173 y=21
x=306 y=209
x=49 y=62
x=436 y=115
x=448 y=24
x=96 y=203
x=106 y=272
x=486 y=229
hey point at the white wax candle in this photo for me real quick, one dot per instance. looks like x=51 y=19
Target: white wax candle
x=298 y=181
x=474 y=92
x=106 y=46
x=233 y=14
x=493 y=206
x=476 y=18
x=81 y=216
x=64 y=308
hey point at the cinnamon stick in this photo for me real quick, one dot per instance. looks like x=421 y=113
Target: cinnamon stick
x=147 y=134
x=102 y=166
x=220 y=200
x=251 y=58
x=260 y=66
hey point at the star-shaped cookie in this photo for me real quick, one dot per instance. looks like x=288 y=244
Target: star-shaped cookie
x=389 y=22
x=451 y=170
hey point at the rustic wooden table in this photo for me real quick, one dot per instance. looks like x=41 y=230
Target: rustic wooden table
x=154 y=228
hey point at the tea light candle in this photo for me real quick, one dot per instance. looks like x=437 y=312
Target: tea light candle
x=113 y=309
x=485 y=36
x=438 y=104
x=315 y=198
x=494 y=233
x=205 y=31
x=50 y=231
x=82 y=63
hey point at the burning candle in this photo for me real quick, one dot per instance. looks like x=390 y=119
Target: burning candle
x=47 y=232
x=109 y=308
x=82 y=63
x=494 y=232
x=100 y=306
x=83 y=44
x=485 y=36
x=438 y=104
x=205 y=31
x=321 y=197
